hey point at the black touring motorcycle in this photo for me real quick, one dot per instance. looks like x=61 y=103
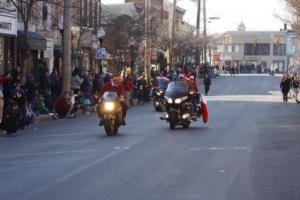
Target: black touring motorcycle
x=179 y=106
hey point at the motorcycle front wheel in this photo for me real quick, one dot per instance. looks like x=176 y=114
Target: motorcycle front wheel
x=172 y=125
x=111 y=127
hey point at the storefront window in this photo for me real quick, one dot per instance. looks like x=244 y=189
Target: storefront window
x=1 y=55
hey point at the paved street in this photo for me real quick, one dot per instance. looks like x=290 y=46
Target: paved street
x=250 y=149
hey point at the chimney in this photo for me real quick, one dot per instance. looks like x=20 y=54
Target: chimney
x=285 y=27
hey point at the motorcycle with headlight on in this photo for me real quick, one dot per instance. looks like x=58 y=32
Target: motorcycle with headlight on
x=110 y=111
x=179 y=108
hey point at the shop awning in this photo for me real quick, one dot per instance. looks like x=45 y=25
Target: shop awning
x=35 y=41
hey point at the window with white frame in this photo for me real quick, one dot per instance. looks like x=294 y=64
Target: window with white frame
x=220 y=48
x=237 y=48
x=229 y=48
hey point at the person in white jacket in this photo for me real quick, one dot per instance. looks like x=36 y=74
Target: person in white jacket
x=76 y=81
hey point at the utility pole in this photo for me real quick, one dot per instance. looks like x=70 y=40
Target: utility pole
x=198 y=33
x=100 y=67
x=204 y=30
x=146 y=52
x=162 y=12
x=172 y=34
x=67 y=47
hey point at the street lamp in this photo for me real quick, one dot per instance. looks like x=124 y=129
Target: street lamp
x=100 y=36
x=131 y=44
x=94 y=47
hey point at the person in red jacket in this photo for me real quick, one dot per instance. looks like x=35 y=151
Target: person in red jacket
x=63 y=105
x=193 y=83
x=195 y=97
x=129 y=86
x=115 y=85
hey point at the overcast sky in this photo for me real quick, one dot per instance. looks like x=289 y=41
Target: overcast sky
x=257 y=15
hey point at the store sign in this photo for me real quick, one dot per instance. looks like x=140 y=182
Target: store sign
x=251 y=58
x=227 y=57
x=8 y=25
x=48 y=53
x=216 y=57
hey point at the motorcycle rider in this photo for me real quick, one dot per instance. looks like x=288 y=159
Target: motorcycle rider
x=195 y=96
x=128 y=86
x=115 y=85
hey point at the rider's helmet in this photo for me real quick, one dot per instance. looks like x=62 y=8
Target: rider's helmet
x=116 y=81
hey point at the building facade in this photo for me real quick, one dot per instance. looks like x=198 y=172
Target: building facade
x=258 y=50
x=8 y=33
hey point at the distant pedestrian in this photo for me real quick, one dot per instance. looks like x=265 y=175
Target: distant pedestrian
x=232 y=71
x=207 y=83
x=285 y=86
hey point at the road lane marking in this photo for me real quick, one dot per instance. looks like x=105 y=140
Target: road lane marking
x=64 y=135
x=241 y=148
x=86 y=166
x=245 y=98
x=189 y=196
x=216 y=148
x=72 y=173
x=53 y=153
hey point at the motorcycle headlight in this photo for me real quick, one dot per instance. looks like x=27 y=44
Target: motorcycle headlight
x=169 y=100
x=178 y=101
x=109 y=106
x=161 y=92
x=158 y=93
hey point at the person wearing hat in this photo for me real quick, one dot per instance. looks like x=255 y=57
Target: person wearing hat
x=115 y=85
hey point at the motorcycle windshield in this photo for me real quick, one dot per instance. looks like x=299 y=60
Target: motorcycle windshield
x=163 y=83
x=110 y=96
x=177 y=89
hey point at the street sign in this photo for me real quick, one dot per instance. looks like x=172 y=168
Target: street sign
x=100 y=54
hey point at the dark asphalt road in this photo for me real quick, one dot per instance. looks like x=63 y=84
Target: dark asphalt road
x=250 y=149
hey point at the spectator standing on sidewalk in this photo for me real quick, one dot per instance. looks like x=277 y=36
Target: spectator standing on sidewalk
x=207 y=83
x=30 y=88
x=54 y=85
x=1 y=101
x=285 y=86
x=295 y=83
x=17 y=75
x=76 y=81
x=86 y=88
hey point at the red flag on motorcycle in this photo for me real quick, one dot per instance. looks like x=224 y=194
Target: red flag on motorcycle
x=204 y=111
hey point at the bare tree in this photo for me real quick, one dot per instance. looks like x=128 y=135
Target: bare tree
x=118 y=35
x=293 y=7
